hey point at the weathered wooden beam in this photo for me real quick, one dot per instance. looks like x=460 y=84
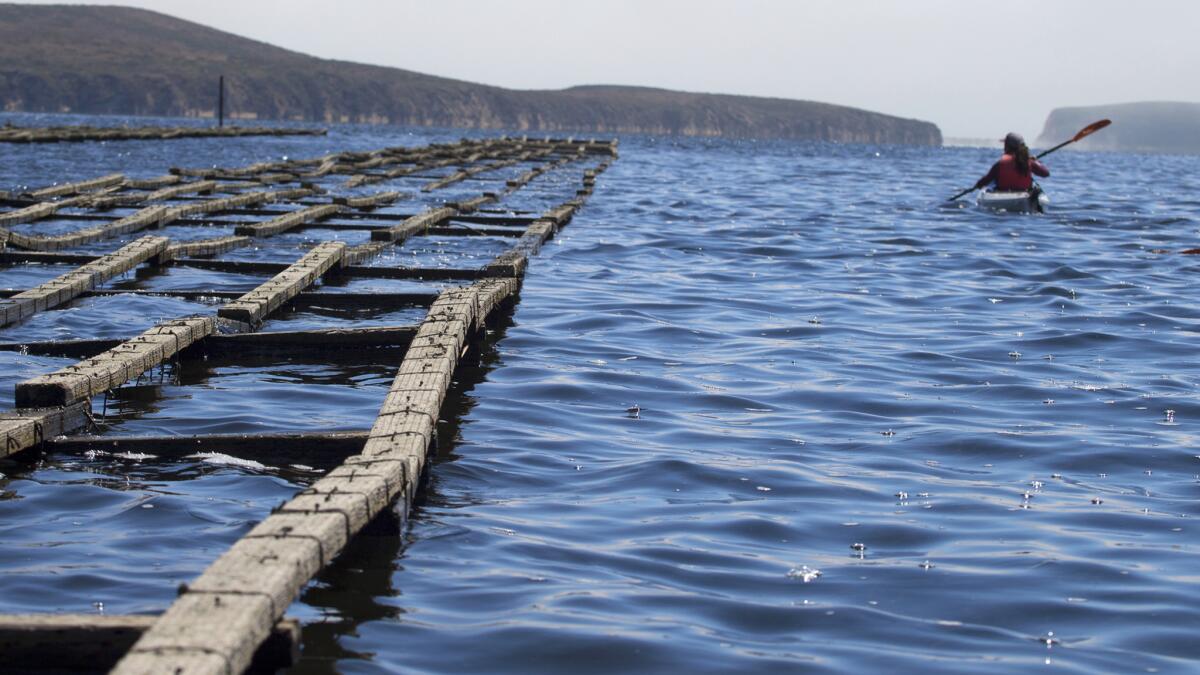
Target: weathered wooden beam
x=513 y=262
x=114 y=367
x=152 y=183
x=92 y=643
x=78 y=186
x=368 y=201
x=153 y=216
x=235 y=201
x=357 y=255
x=284 y=223
x=88 y=276
x=470 y=205
x=203 y=247
x=161 y=194
x=28 y=428
x=218 y=621
x=254 y=306
x=29 y=213
x=415 y=224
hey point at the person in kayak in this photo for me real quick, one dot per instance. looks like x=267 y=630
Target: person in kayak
x=1015 y=170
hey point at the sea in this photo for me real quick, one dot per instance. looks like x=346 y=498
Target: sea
x=762 y=407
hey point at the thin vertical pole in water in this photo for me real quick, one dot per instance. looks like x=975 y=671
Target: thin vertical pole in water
x=220 y=100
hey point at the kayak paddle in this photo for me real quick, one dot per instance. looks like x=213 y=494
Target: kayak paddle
x=1083 y=133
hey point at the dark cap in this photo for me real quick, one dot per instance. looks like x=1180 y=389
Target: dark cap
x=1013 y=141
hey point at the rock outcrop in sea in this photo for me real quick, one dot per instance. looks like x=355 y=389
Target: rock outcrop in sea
x=1161 y=127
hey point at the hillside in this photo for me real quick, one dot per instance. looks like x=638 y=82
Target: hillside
x=1152 y=127
x=116 y=60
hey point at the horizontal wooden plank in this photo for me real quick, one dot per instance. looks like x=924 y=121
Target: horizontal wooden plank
x=254 y=306
x=279 y=224
x=29 y=428
x=203 y=247
x=320 y=451
x=67 y=286
x=415 y=224
x=153 y=216
x=114 y=367
x=78 y=186
x=368 y=201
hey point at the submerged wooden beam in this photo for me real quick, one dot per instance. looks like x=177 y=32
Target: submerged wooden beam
x=325 y=340
x=89 y=643
x=299 y=448
x=254 y=306
x=65 y=287
x=288 y=343
x=114 y=367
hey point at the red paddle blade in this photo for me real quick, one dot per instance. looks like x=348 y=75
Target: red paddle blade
x=1091 y=129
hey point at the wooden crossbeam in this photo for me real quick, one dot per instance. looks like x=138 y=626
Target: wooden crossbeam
x=93 y=273
x=78 y=186
x=254 y=306
x=415 y=224
x=24 y=429
x=216 y=624
x=114 y=367
x=203 y=247
x=284 y=223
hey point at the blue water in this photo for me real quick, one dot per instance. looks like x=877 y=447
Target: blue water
x=762 y=407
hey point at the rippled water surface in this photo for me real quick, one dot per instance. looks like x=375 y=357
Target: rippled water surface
x=762 y=407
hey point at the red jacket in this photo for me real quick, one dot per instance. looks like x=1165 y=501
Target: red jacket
x=1006 y=178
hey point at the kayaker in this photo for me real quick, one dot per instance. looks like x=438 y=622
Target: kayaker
x=1015 y=170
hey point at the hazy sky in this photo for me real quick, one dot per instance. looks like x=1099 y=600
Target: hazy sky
x=973 y=70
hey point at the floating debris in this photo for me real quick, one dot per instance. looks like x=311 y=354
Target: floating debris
x=804 y=573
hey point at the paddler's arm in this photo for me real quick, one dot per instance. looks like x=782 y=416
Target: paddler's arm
x=990 y=177
x=1038 y=168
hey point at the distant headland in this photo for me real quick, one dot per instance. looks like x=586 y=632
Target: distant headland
x=1162 y=127
x=125 y=61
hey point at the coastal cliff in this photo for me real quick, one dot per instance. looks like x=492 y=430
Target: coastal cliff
x=116 y=60
x=1160 y=127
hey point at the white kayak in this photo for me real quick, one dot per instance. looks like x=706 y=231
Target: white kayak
x=1025 y=201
